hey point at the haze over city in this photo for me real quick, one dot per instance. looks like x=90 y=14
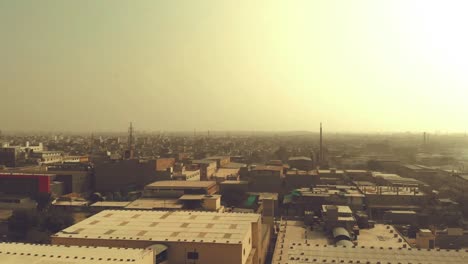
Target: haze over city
x=358 y=66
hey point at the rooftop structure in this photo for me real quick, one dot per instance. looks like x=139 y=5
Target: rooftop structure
x=294 y=246
x=189 y=235
x=15 y=253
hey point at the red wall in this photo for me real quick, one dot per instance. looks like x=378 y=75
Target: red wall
x=43 y=180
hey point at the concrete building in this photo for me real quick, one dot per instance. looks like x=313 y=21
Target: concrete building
x=176 y=189
x=74 y=181
x=221 y=161
x=121 y=174
x=312 y=199
x=295 y=244
x=190 y=237
x=16 y=253
x=11 y=156
x=380 y=199
x=46 y=157
x=338 y=216
x=207 y=168
x=266 y=179
x=295 y=179
x=227 y=186
x=301 y=163
x=224 y=174
x=28 y=184
x=187 y=175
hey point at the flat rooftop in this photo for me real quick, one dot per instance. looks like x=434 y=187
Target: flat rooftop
x=180 y=184
x=16 y=253
x=389 y=190
x=295 y=245
x=110 y=204
x=164 y=226
x=154 y=203
x=267 y=168
x=225 y=172
x=341 y=209
x=301 y=172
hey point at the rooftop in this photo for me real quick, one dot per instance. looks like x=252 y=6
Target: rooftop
x=389 y=190
x=267 y=167
x=181 y=184
x=164 y=226
x=296 y=245
x=15 y=253
x=155 y=203
x=110 y=204
x=300 y=158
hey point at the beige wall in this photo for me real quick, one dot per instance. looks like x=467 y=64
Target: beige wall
x=209 y=253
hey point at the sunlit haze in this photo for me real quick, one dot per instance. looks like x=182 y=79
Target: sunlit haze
x=359 y=66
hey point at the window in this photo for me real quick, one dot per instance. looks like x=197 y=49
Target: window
x=192 y=255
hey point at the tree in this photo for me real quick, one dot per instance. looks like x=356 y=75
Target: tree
x=56 y=220
x=21 y=222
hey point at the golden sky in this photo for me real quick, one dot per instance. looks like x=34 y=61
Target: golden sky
x=356 y=65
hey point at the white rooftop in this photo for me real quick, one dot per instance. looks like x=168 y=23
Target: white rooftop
x=172 y=226
x=15 y=253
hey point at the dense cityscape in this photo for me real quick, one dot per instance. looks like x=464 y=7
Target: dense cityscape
x=233 y=132
x=234 y=197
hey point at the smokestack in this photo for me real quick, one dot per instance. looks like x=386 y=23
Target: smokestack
x=425 y=138
x=321 y=144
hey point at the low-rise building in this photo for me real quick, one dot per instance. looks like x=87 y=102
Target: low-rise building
x=266 y=179
x=296 y=244
x=301 y=163
x=295 y=179
x=207 y=168
x=190 y=236
x=17 y=253
x=176 y=189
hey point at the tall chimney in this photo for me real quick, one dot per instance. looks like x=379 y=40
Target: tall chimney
x=321 y=145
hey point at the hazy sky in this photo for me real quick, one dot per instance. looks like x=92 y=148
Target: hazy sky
x=234 y=65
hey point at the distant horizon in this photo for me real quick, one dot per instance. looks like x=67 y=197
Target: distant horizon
x=205 y=132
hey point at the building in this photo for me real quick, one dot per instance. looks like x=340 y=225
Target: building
x=338 y=216
x=79 y=181
x=123 y=174
x=224 y=174
x=190 y=236
x=295 y=179
x=28 y=184
x=17 y=253
x=221 y=161
x=187 y=175
x=295 y=244
x=266 y=179
x=301 y=163
x=207 y=168
x=11 y=156
x=176 y=189
x=46 y=157
x=311 y=199
x=392 y=179
x=380 y=199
